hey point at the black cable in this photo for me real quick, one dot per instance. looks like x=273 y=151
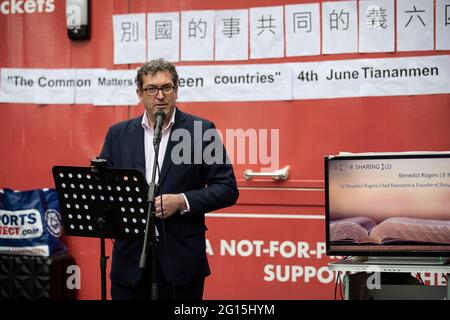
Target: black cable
x=336 y=285
x=420 y=278
x=163 y=227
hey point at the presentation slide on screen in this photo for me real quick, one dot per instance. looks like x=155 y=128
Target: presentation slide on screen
x=389 y=201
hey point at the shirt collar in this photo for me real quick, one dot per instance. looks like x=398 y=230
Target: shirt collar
x=145 y=125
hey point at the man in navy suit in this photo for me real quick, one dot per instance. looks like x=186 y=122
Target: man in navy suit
x=195 y=178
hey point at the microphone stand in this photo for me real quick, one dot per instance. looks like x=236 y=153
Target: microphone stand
x=150 y=228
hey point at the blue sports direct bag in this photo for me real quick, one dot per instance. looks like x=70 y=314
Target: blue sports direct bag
x=30 y=223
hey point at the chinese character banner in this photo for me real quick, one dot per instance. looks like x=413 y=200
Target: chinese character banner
x=330 y=27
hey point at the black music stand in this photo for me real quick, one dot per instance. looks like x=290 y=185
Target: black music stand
x=102 y=202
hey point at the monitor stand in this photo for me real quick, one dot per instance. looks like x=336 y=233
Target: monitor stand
x=408 y=260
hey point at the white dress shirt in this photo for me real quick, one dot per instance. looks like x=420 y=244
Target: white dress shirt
x=149 y=133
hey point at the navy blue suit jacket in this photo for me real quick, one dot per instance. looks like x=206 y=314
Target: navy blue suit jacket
x=207 y=187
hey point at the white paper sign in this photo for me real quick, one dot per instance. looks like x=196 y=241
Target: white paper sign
x=442 y=24
x=266 y=32
x=255 y=82
x=164 y=36
x=231 y=35
x=40 y=86
x=18 y=85
x=197 y=35
x=249 y=82
x=376 y=26
x=339 y=27
x=372 y=77
x=415 y=25
x=87 y=93
x=302 y=29
x=129 y=38
x=116 y=88
x=56 y=86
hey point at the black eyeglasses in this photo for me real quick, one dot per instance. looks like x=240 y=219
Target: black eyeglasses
x=153 y=90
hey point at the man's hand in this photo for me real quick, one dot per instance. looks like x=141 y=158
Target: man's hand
x=171 y=204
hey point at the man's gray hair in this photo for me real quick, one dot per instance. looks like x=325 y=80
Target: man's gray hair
x=153 y=67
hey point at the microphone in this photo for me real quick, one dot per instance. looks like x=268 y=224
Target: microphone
x=160 y=116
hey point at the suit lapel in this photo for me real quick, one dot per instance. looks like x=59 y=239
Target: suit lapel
x=137 y=143
x=179 y=119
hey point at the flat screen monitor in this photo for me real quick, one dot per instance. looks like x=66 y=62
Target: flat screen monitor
x=388 y=204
